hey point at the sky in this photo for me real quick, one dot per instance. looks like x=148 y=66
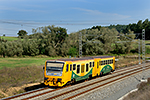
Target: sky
x=74 y=15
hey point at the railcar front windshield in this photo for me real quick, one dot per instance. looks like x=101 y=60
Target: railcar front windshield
x=54 y=68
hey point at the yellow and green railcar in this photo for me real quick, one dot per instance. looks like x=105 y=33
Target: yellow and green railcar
x=63 y=71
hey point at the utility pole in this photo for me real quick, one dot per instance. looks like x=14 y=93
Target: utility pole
x=139 y=52
x=143 y=52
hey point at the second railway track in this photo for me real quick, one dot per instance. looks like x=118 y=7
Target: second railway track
x=87 y=88
x=78 y=89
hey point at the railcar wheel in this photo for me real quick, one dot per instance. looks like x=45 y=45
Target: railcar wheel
x=90 y=76
x=112 y=70
x=97 y=75
x=73 y=80
x=101 y=73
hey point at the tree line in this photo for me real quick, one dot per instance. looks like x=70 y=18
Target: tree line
x=135 y=27
x=54 y=41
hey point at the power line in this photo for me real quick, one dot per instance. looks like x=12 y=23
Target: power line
x=58 y=22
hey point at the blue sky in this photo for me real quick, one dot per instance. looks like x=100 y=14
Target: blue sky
x=73 y=15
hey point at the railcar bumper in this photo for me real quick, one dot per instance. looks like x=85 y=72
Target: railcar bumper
x=53 y=82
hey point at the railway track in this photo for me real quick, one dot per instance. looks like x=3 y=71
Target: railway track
x=73 y=91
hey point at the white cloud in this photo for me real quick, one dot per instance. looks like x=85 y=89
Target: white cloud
x=101 y=14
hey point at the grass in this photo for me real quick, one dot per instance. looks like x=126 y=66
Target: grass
x=9 y=38
x=147 y=41
x=23 y=62
x=18 y=76
x=16 y=72
x=11 y=77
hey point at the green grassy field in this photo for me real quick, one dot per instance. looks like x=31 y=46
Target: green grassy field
x=9 y=38
x=22 y=62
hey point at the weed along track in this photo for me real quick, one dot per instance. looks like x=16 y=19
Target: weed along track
x=73 y=91
x=24 y=94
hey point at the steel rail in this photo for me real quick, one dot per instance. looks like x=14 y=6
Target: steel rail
x=34 y=91
x=103 y=84
x=23 y=94
x=53 y=97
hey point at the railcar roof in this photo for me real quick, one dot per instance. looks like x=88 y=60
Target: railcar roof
x=84 y=58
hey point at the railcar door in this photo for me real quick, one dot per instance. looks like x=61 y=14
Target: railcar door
x=67 y=72
x=94 y=68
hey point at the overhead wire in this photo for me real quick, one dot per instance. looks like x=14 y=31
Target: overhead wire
x=39 y=23
x=59 y=22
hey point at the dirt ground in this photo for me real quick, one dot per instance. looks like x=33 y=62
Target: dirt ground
x=143 y=92
x=16 y=90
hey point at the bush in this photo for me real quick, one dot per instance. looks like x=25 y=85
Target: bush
x=72 y=51
x=147 y=49
x=30 y=47
x=11 y=48
x=50 y=51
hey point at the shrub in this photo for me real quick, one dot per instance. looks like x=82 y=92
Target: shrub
x=147 y=49
x=72 y=51
x=30 y=47
x=50 y=51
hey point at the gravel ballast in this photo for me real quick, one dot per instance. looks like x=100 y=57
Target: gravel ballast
x=117 y=89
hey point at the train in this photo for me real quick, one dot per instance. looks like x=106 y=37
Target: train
x=60 y=72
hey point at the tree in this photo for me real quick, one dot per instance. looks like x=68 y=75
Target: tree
x=51 y=39
x=98 y=41
x=127 y=45
x=30 y=47
x=97 y=27
x=72 y=51
x=22 y=33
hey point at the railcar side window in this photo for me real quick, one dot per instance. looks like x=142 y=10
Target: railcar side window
x=70 y=67
x=87 y=67
x=90 y=64
x=112 y=60
x=67 y=68
x=93 y=63
x=101 y=62
x=78 y=69
x=74 y=66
